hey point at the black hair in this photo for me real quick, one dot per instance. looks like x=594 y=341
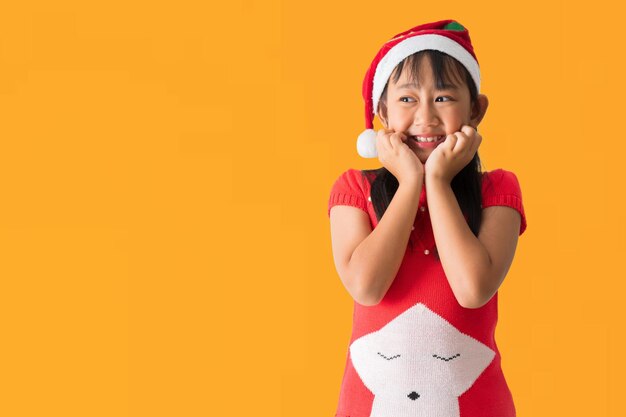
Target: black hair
x=466 y=185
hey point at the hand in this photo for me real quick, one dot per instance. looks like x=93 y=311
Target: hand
x=449 y=158
x=397 y=156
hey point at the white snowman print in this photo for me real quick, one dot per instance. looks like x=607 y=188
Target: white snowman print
x=418 y=365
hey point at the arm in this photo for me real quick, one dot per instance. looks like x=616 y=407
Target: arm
x=372 y=266
x=377 y=259
x=475 y=267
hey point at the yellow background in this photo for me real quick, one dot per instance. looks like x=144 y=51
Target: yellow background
x=164 y=175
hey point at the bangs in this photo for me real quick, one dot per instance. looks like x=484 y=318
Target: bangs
x=447 y=71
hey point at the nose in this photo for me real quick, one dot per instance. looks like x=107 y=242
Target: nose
x=426 y=115
x=413 y=395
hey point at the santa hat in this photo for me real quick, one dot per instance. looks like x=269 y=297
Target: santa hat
x=447 y=36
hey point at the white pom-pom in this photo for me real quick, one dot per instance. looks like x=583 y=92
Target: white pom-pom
x=366 y=144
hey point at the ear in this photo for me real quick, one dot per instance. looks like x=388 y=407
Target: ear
x=479 y=110
x=382 y=118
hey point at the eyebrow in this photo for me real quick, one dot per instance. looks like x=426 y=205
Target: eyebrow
x=445 y=86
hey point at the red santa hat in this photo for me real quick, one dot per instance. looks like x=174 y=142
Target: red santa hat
x=447 y=36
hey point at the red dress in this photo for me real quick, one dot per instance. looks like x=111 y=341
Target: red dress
x=419 y=352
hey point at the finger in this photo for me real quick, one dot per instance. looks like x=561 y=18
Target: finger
x=478 y=140
x=468 y=130
x=474 y=138
x=450 y=141
x=461 y=142
x=381 y=133
x=386 y=132
x=473 y=135
x=382 y=142
x=400 y=137
x=396 y=140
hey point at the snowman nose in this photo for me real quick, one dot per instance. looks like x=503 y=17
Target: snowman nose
x=414 y=395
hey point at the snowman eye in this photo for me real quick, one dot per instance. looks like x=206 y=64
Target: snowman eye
x=390 y=358
x=447 y=359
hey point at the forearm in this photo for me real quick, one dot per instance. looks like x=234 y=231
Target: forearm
x=463 y=257
x=375 y=262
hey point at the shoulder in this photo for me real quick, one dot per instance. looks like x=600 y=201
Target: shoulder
x=500 y=181
x=351 y=176
x=501 y=187
x=351 y=188
x=354 y=180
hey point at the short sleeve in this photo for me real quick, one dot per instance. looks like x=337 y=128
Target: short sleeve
x=501 y=188
x=348 y=190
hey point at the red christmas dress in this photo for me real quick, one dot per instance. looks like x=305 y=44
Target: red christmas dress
x=419 y=352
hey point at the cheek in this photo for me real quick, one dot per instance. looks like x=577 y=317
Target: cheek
x=455 y=123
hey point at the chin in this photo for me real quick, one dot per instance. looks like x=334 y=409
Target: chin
x=423 y=156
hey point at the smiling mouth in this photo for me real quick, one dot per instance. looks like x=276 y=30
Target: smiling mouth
x=425 y=146
x=428 y=140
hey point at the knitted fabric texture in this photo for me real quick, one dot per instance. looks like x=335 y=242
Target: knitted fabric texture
x=419 y=352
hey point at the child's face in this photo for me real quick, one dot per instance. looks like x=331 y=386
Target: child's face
x=425 y=110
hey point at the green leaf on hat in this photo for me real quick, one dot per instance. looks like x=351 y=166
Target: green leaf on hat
x=454 y=26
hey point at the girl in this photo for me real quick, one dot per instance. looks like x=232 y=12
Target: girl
x=424 y=267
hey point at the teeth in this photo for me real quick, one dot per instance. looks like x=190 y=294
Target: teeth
x=433 y=139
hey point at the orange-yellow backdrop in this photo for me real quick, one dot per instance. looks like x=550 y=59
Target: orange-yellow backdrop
x=165 y=170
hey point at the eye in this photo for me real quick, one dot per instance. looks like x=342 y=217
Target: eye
x=447 y=359
x=446 y=97
x=388 y=358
